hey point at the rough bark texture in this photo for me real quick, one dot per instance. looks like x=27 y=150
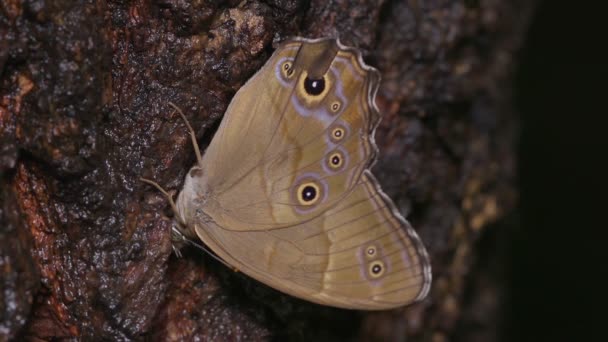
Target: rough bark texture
x=85 y=248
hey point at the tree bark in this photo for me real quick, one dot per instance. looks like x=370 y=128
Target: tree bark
x=85 y=247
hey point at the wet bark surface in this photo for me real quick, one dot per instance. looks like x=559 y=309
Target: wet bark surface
x=85 y=247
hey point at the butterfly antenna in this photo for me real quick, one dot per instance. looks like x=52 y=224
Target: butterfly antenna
x=197 y=150
x=167 y=196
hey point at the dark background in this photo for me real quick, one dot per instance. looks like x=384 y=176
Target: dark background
x=558 y=272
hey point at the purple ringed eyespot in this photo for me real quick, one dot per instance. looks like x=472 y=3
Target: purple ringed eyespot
x=287 y=69
x=335 y=107
x=335 y=160
x=314 y=87
x=376 y=269
x=308 y=193
x=337 y=133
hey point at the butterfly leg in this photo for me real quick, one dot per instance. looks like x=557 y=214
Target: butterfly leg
x=197 y=150
x=177 y=237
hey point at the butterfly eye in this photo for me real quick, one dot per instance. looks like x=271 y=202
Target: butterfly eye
x=376 y=269
x=314 y=87
x=308 y=193
x=335 y=107
x=196 y=172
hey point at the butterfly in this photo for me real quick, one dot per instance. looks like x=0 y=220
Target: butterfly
x=284 y=192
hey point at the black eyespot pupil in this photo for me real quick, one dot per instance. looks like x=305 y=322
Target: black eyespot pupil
x=335 y=160
x=338 y=133
x=314 y=87
x=377 y=269
x=335 y=106
x=309 y=193
x=371 y=251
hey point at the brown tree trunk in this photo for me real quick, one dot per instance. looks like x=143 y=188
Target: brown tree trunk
x=85 y=247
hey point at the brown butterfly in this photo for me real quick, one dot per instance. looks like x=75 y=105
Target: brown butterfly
x=284 y=192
